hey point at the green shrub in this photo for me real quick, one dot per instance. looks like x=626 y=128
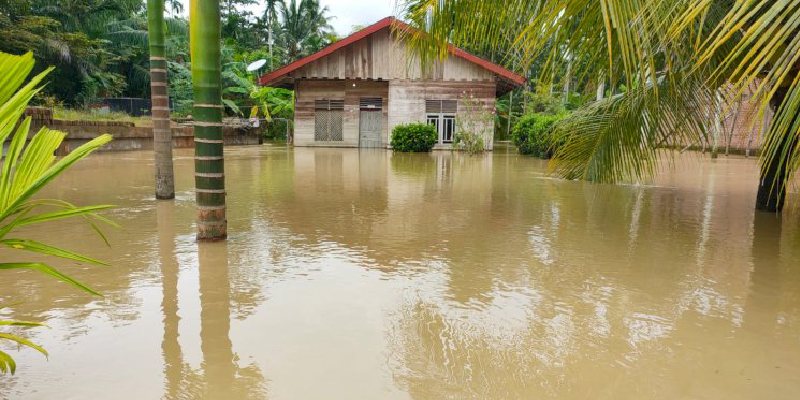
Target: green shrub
x=416 y=137
x=533 y=134
x=469 y=141
x=276 y=129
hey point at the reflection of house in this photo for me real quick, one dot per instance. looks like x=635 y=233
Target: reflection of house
x=353 y=92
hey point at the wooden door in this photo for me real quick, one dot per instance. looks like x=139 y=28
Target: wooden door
x=370 y=122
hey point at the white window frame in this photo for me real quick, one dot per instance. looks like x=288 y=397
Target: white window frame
x=444 y=122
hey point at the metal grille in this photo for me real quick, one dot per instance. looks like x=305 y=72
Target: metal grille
x=328 y=126
x=370 y=104
x=440 y=106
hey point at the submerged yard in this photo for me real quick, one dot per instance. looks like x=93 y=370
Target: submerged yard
x=371 y=275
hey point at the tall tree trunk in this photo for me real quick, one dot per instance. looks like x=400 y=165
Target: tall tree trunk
x=567 y=81
x=510 y=107
x=209 y=176
x=772 y=180
x=159 y=98
x=716 y=114
x=601 y=88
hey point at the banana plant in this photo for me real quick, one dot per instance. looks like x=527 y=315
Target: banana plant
x=267 y=101
x=274 y=102
x=28 y=166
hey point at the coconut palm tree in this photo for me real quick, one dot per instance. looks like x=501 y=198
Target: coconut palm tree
x=670 y=65
x=209 y=177
x=162 y=133
x=271 y=18
x=304 y=27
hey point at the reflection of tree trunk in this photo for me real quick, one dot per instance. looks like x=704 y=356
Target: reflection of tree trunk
x=215 y=320
x=773 y=176
x=762 y=304
x=170 y=348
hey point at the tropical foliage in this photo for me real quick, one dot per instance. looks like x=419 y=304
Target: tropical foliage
x=100 y=47
x=27 y=167
x=414 y=137
x=664 y=64
x=533 y=134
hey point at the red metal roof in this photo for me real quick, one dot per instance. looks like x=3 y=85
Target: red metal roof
x=387 y=22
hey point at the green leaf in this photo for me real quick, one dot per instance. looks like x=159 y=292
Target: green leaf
x=19 y=323
x=50 y=271
x=230 y=104
x=41 y=248
x=7 y=364
x=22 y=341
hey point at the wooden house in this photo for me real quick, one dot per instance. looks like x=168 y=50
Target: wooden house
x=355 y=91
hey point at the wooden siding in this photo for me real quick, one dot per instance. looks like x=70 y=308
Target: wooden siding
x=308 y=91
x=379 y=56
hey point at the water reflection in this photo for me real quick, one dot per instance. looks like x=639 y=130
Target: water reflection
x=368 y=274
x=174 y=368
x=220 y=375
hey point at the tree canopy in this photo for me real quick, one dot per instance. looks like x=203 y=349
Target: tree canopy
x=100 y=49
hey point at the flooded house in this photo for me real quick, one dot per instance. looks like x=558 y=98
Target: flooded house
x=355 y=91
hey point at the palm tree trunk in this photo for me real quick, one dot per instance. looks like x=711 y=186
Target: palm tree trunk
x=209 y=176
x=567 y=81
x=772 y=180
x=159 y=98
x=510 y=107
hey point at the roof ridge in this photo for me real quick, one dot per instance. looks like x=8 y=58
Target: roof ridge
x=383 y=23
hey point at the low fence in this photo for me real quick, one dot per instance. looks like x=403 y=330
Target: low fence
x=132 y=106
x=128 y=136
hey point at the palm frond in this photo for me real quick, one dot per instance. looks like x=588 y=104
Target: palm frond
x=29 y=165
x=619 y=139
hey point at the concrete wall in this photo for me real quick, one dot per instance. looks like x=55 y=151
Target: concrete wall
x=407 y=101
x=130 y=137
x=403 y=102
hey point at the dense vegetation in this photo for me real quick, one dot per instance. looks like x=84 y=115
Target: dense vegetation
x=415 y=137
x=533 y=134
x=100 y=49
x=662 y=71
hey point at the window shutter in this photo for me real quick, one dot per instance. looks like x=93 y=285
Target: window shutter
x=440 y=106
x=449 y=106
x=433 y=106
x=329 y=105
x=370 y=104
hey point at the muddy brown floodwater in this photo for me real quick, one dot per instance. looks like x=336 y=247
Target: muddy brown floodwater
x=369 y=275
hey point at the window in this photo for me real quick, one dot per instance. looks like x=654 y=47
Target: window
x=328 y=120
x=442 y=115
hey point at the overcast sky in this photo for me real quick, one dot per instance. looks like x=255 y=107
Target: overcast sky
x=345 y=13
